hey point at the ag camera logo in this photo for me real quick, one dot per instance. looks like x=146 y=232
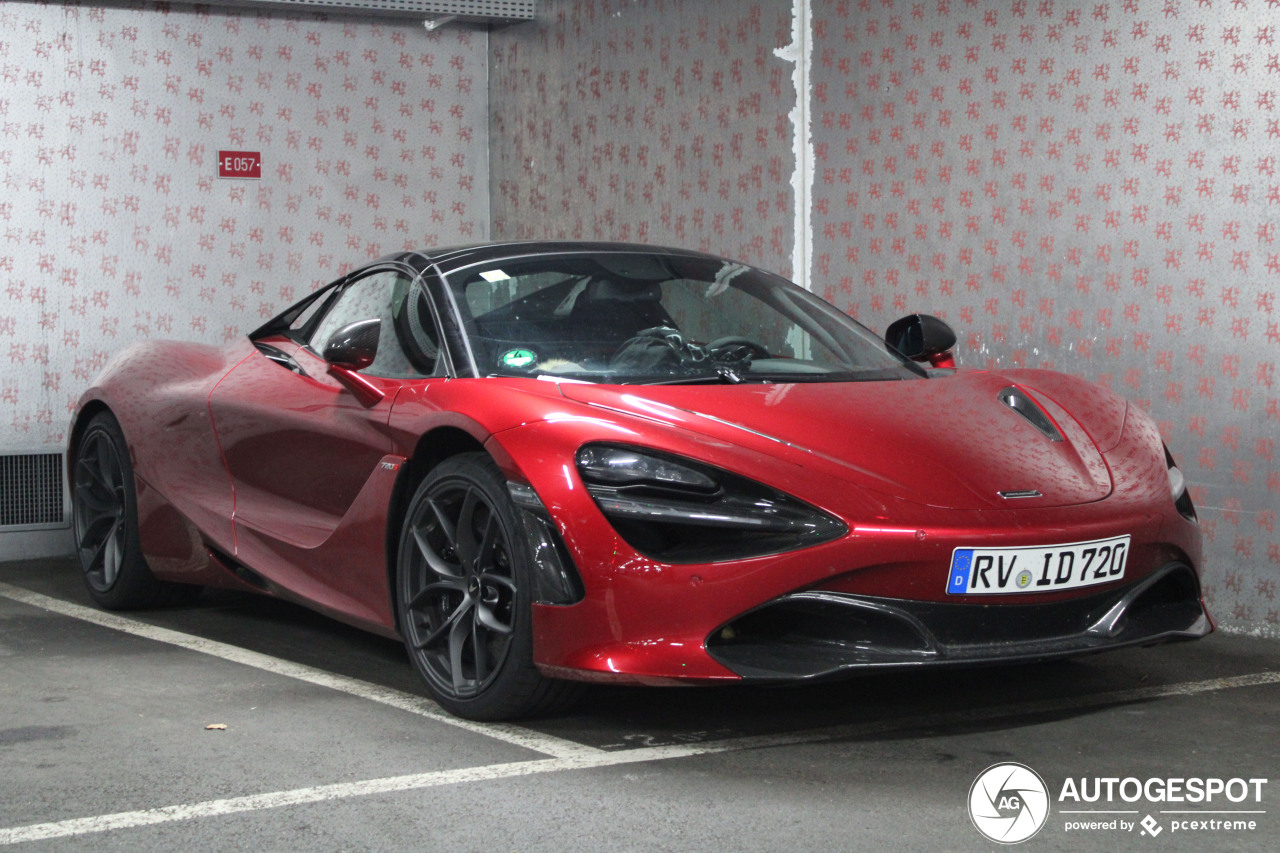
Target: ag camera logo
x=1008 y=803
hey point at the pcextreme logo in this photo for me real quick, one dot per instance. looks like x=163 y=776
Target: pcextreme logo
x=1009 y=803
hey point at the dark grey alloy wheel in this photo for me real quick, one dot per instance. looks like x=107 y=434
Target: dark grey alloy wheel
x=464 y=596
x=104 y=508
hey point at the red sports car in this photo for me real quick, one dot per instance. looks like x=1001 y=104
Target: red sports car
x=548 y=463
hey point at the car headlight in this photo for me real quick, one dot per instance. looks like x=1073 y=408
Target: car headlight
x=609 y=465
x=1178 y=488
x=682 y=511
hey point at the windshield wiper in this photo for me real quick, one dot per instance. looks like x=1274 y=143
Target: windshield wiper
x=723 y=376
x=729 y=377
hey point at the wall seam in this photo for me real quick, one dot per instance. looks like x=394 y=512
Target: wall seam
x=800 y=54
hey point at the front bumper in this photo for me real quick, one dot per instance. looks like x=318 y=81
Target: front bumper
x=817 y=635
x=645 y=621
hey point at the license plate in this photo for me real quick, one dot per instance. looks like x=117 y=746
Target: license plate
x=1047 y=568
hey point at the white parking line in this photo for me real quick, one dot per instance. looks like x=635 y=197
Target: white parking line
x=420 y=705
x=322 y=793
x=347 y=790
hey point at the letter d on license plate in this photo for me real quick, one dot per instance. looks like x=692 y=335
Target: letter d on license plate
x=1047 y=568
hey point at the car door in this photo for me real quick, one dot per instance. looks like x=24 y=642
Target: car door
x=298 y=441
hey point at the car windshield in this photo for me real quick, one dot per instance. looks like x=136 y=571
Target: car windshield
x=654 y=318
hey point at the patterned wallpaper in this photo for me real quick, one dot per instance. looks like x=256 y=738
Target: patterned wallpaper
x=1088 y=186
x=113 y=221
x=1092 y=187
x=658 y=122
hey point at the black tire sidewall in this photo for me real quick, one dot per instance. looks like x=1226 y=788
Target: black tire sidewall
x=134 y=586
x=511 y=691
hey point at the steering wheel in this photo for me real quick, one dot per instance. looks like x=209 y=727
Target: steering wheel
x=736 y=348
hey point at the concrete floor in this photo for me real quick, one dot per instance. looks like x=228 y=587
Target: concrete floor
x=330 y=745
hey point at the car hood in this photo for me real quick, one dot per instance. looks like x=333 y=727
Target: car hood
x=943 y=442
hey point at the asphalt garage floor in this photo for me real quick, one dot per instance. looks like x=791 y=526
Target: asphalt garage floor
x=324 y=741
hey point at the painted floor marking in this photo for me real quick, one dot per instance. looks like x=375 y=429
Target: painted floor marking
x=567 y=755
x=420 y=705
x=596 y=759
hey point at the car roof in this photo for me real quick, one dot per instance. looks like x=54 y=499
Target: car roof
x=449 y=258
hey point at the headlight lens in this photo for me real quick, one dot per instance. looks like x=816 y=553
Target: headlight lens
x=608 y=465
x=681 y=511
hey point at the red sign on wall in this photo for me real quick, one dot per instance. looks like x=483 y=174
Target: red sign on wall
x=240 y=164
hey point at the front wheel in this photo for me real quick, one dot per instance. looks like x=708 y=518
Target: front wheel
x=463 y=592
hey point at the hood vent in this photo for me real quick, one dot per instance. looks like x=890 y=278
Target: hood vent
x=1022 y=403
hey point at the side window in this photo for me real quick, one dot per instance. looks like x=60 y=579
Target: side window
x=362 y=299
x=301 y=321
x=407 y=345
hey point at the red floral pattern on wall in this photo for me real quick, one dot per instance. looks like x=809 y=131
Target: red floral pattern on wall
x=113 y=223
x=661 y=122
x=1091 y=187
x=1085 y=186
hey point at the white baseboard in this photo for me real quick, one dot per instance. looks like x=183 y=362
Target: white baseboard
x=34 y=544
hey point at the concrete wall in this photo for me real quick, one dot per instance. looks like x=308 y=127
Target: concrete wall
x=1085 y=186
x=1091 y=187
x=659 y=122
x=115 y=225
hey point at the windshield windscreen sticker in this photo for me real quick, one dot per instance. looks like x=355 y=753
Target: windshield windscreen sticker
x=494 y=276
x=519 y=359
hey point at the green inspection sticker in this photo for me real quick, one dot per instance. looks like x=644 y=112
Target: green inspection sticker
x=519 y=359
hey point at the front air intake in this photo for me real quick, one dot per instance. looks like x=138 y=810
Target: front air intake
x=31 y=492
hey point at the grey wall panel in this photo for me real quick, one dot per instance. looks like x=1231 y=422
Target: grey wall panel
x=114 y=224
x=658 y=122
x=1086 y=186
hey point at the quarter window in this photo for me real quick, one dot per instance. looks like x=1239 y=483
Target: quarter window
x=407 y=342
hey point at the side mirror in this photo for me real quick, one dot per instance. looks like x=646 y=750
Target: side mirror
x=921 y=337
x=354 y=346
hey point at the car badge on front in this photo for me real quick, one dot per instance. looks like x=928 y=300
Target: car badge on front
x=1014 y=494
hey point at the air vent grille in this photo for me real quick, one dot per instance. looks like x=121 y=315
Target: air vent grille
x=506 y=10
x=31 y=491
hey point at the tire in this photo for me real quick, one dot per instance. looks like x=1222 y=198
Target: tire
x=104 y=507
x=463 y=593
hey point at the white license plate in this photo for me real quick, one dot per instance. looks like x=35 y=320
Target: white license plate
x=1047 y=568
